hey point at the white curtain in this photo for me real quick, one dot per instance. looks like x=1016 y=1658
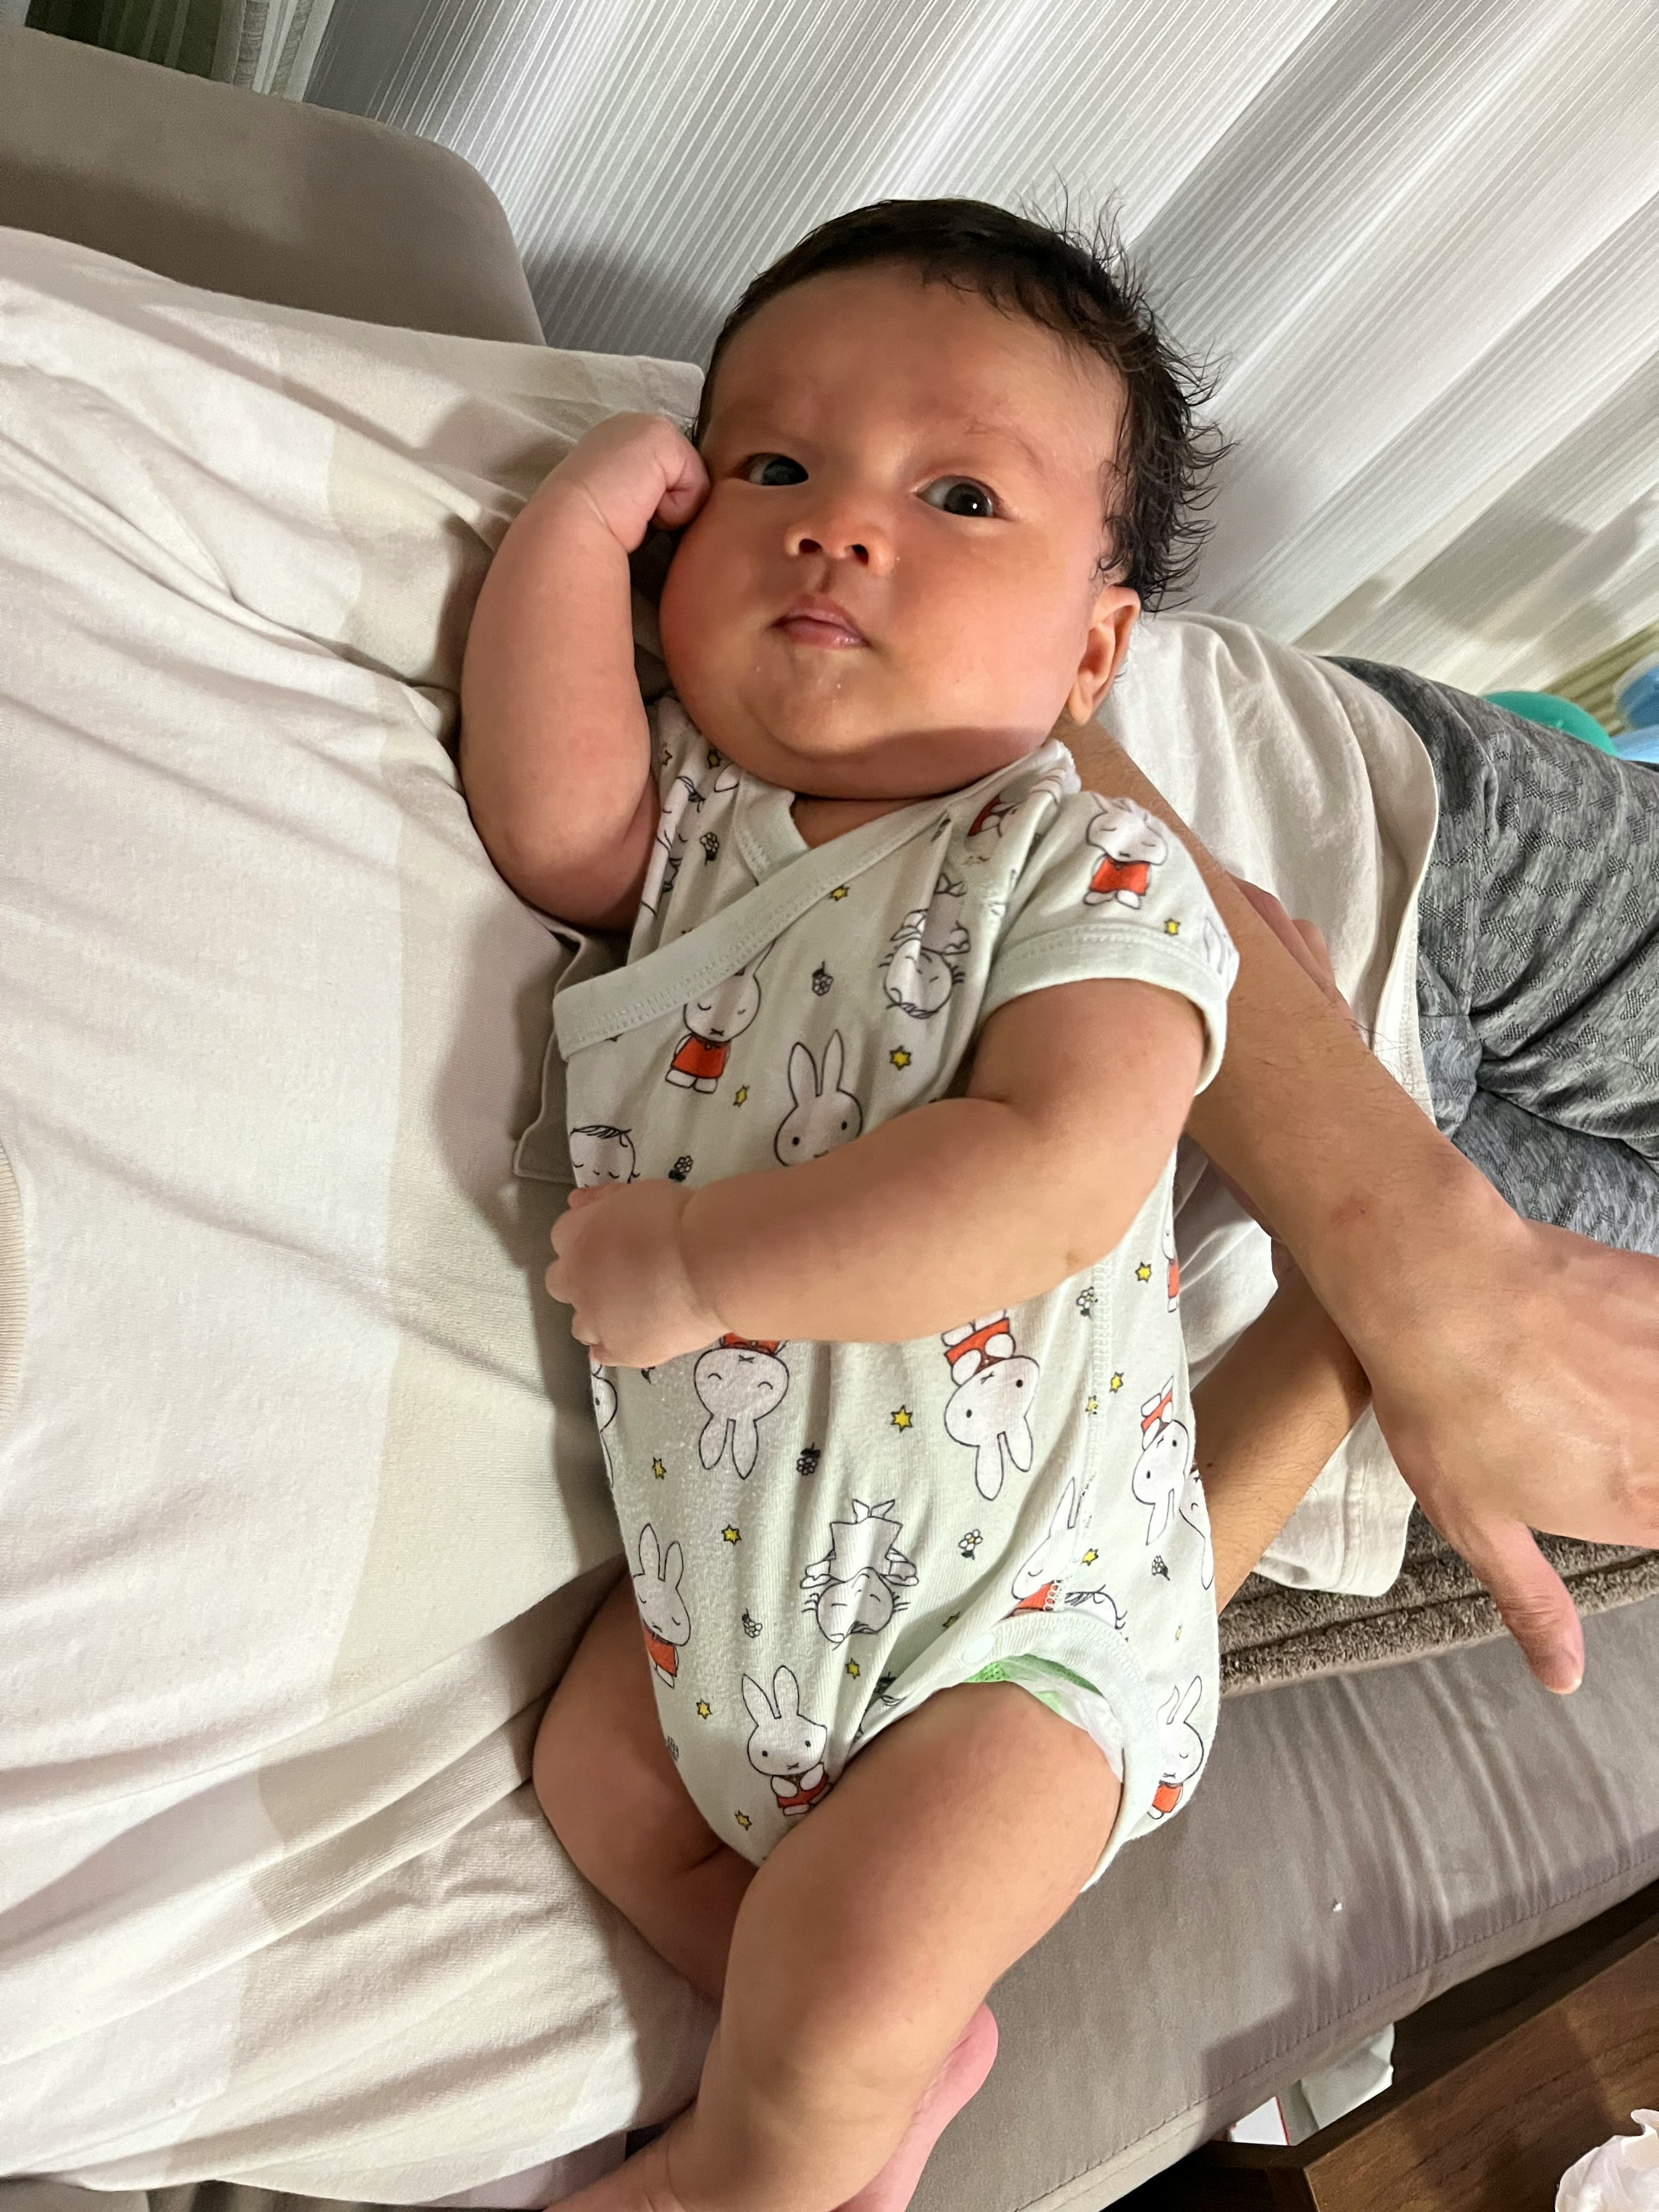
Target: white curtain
x=269 y=45
x=1421 y=235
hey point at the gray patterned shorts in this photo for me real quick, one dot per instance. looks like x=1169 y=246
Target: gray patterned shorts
x=1537 y=961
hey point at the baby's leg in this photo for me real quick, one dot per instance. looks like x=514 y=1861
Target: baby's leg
x=615 y=1800
x=864 y=1946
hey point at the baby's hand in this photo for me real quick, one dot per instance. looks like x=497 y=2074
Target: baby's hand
x=621 y=1265
x=633 y=469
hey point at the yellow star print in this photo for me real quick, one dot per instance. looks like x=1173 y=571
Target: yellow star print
x=853 y=1669
x=1092 y=1404
x=743 y=1820
x=1143 y=1273
x=740 y=1096
x=903 y=1417
x=1116 y=1383
x=704 y=1709
x=1172 y=928
x=1089 y=1558
x=658 y=1470
x=732 y=1535
x=899 y=1057
x=839 y=892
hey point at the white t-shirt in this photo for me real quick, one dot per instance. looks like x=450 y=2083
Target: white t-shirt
x=1300 y=777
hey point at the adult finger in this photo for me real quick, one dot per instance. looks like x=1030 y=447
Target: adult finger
x=1533 y=1601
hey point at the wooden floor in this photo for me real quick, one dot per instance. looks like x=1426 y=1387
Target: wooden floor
x=1498 y=2087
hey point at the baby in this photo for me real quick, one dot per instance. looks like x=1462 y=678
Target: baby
x=873 y=1253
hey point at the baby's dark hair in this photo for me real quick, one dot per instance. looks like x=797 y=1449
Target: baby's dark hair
x=1082 y=287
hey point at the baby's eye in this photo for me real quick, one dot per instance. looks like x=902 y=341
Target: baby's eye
x=961 y=495
x=772 y=468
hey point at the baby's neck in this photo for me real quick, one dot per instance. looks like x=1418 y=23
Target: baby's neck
x=818 y=820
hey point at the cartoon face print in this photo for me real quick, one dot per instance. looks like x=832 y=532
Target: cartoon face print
x=739 y=1382
x=1166 y=1446
x=786 y=1745
x=711 y=1023
x=854 y=1587
x=1196 y=1512
x=989 y=1408
x=921 y=969
x=824 y=1115
x=1171 y=1265
x=602 y=1153
x=663 y=1614
x=1132 y=844
x=1183 y=1747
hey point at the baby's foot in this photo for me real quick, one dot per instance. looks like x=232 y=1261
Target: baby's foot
x=960 y=2078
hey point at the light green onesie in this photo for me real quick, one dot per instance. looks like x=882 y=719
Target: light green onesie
x=822 y=1535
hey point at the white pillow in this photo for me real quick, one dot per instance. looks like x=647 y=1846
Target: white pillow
x=299 y=1450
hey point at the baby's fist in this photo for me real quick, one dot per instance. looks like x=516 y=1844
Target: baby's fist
x=635 y=469
x=619 y=1264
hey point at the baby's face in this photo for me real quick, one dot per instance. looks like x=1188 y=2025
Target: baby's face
x=893 y=585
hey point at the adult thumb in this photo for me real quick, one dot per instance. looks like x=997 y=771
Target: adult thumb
x=1535 y=1603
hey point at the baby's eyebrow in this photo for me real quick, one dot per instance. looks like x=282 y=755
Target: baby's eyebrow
x=992 y=426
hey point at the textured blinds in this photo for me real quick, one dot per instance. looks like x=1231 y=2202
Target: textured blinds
x=1421 y=235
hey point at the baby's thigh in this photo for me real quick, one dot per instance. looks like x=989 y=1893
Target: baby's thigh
x=601 y=1771
x=949 y=1845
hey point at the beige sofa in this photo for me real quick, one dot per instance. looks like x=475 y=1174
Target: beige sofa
x=1361 y=1843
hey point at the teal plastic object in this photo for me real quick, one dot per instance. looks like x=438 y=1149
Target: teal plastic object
x=1564 y=715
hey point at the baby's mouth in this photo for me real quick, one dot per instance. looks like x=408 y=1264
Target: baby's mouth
x=811 y=620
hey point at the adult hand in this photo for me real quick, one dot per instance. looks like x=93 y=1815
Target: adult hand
x=1527 y=1332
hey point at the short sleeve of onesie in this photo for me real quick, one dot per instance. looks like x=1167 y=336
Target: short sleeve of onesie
x=1108 y=891
x=821 y=1536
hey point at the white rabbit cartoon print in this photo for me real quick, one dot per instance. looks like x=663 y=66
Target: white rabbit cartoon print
x=1064 y=1556
x=602 y=1153
x=1196 y=1512
x=823 y=1113
x=994 y=1387
x=663 y=1614
x=1183 y=1747
x=1131 y=844
x=1171 y=1267
x=740 y=1381
x=711 y=1023
x=921 y=969
x=853 y=1590
x=1040 y=1576
x=786 y=1745
x=1160 y=1472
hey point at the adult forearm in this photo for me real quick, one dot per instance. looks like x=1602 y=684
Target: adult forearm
x=1335 y=1157
x=1269 y=1416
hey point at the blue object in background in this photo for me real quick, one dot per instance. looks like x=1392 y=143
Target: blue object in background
x=1640 y=746
x=1555 y=713
x=1635 y=694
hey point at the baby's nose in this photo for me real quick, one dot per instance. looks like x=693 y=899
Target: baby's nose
x=853 y=539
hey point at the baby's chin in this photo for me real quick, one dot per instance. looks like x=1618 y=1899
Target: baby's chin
x=801 y=754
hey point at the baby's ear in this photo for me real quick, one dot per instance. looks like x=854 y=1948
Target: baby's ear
x=1103 y=648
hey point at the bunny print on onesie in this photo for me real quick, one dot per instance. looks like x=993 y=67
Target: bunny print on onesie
x=821 y=1535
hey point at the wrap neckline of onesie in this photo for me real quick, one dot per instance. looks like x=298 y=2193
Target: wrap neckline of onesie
x=791 y=876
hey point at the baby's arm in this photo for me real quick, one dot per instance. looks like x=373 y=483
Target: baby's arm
x=1077 y=1097
x=555 y=752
